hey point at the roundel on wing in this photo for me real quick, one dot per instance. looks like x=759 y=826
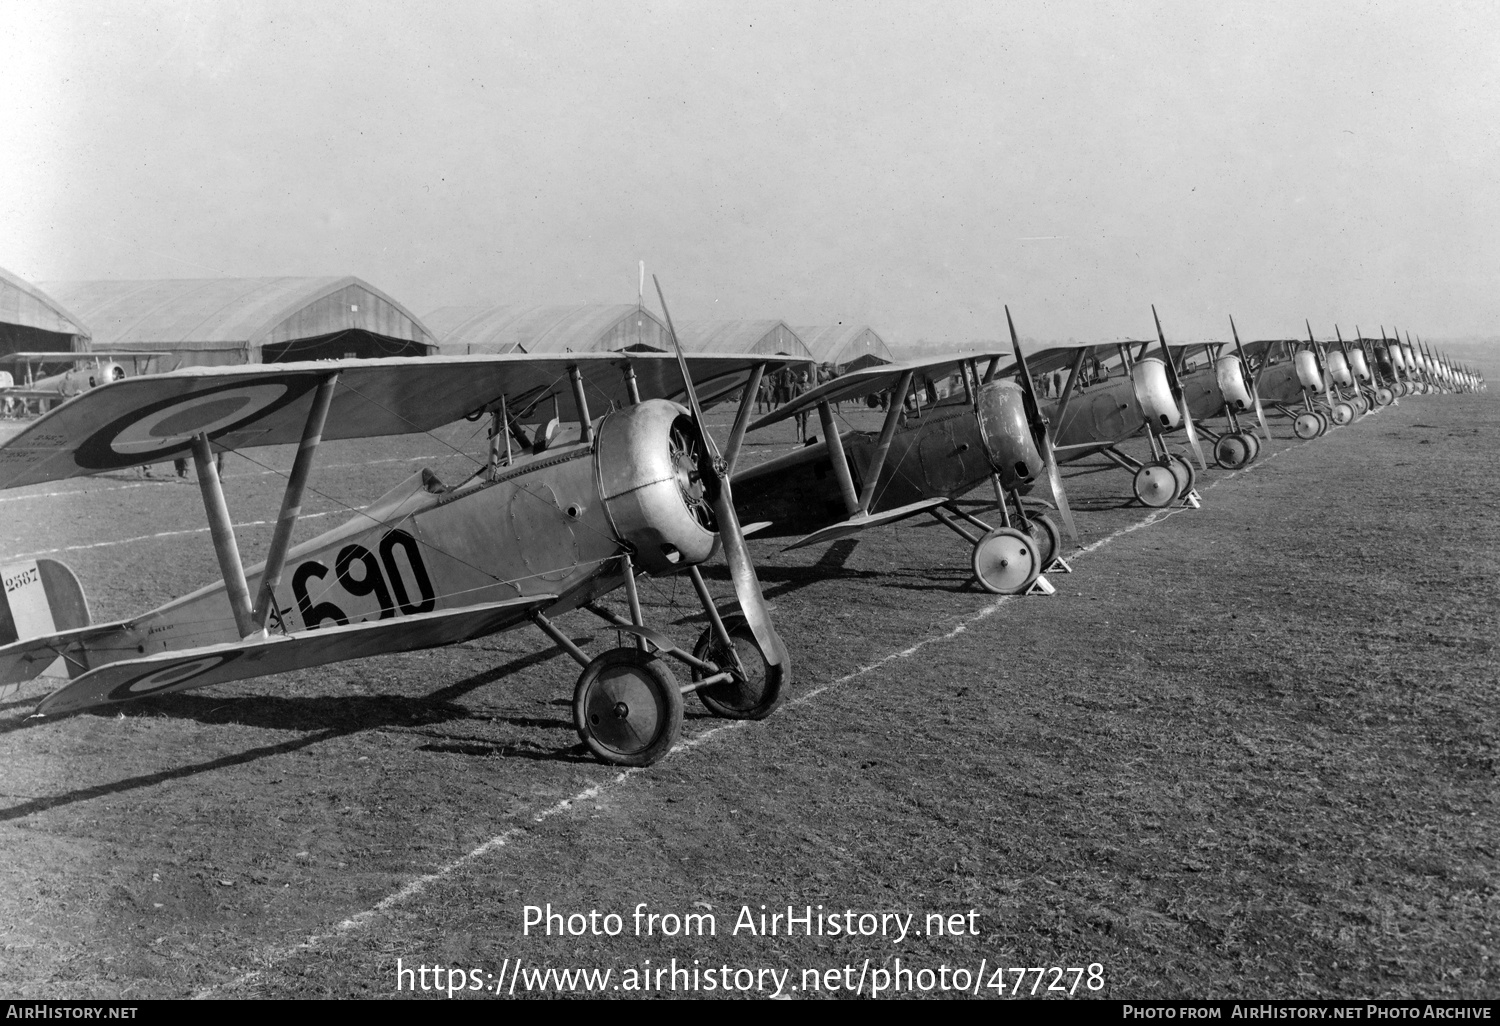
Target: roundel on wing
x=165 y=428
x=169 y=678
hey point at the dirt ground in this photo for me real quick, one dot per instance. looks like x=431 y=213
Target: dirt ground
x=1245 y=751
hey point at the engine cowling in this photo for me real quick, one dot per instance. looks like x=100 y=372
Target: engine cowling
x=1231 y=378
x=1153 y=391
x=1359 y=364
x=1398 y=359
x=1338 y=368
x=1307 y=370
x=1006 y=435
x=654 y=482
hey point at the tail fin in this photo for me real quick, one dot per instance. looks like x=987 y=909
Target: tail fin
x=39 y=598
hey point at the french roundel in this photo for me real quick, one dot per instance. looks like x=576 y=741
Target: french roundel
x=166 y=428
x=169 y=677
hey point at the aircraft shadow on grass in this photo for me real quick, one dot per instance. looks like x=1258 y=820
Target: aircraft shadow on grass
x=328 y=718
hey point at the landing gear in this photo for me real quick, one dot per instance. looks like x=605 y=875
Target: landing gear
x=1046 y=535
x=1006 y=561
x=627 y=707
x=1307 y=426
x=753 y=696
x=1183 y=471
x=1343 y=413
x=1155 y=485
x=1252 y=440
x=1384 y=396
x=1232 y=451
x=1361 y=404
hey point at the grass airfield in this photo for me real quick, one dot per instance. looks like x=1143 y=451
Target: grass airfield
x=1245 y=751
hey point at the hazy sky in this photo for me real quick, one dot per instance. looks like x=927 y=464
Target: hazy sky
x=908 y=165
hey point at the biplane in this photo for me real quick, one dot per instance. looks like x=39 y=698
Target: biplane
x=556 y=517
x=1114 y=392
x=1288 y=374
x=921 y=462
x=1220 y=387
x=88 y=370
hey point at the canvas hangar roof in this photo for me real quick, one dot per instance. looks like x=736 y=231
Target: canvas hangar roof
x=580 y=328
x=217 y=321
x=33 y=321
x=846 y=346
x=766 y=338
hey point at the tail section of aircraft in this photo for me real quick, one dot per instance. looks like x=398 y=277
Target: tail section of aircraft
x=38 y=598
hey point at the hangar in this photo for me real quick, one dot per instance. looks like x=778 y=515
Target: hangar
x=218 y=321
x=590 y=328
x=31 y=321
x=767 y=338
x=847 y=347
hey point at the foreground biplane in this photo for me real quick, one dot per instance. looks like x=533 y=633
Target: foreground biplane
x=989 y=428
x=577 y=512
x=1114 y=392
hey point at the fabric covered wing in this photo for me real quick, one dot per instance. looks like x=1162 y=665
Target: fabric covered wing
x=860 y=383
x=218 y=664
x=152 y=418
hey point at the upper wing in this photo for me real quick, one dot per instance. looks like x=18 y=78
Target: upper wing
x=153 y=418
x=860 y=383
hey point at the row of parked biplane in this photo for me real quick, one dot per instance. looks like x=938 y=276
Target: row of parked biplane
x=600 y=468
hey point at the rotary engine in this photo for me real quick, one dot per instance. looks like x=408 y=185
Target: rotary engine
x=655 y=481
x=1359 y=365
x=1307 y=370
x=1154 y=392
x=1231 y=379
x=1338 y=368
x=1006 y=435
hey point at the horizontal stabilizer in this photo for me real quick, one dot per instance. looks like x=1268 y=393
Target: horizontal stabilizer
x=854 y=525
x=259 y=656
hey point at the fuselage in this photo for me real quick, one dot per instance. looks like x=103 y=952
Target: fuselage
x=946 y=451
x=554 y=523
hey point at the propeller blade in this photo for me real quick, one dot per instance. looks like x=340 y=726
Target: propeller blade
x=1260 y=413
x=1042 y=435
x=1054 y=478
x=1178 y=393
x=736 y=553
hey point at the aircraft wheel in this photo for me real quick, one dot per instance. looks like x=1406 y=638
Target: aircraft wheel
x=1155 y=486
x=1384 y=396
x=1360 y=403
x=1231 y=451
x=1006 y=561
x=1307 y=425
x=1183 y=471
x=1253 y=441
x=1046 y=535
x=752 y=698
x=627 y=707
x=1327 y=423
x=1343 y=413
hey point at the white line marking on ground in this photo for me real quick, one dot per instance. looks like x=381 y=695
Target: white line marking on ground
x=232 y=476
x=165 y=534
x=416 y=886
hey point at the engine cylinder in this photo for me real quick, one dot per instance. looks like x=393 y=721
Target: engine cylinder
x=1231 y=378
x=1153 y=391
x=652 y=481
x=1307 y=370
